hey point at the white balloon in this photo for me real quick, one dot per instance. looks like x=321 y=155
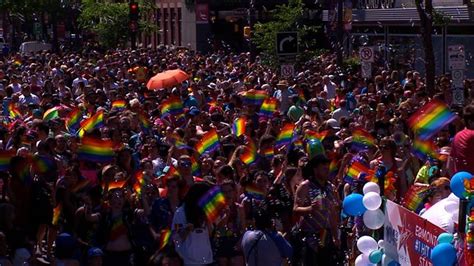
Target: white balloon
x=374 y=219
x=371 y=187
x=372 y=201
x=362 y=260
x=366 y=244
x=381 y=243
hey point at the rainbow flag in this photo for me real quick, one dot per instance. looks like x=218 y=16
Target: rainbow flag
x=51 y=113
x=212 y=203
x=139 y=183
x=332 y=105
x=430 y=119
x=269 y=152
x=249 y=156
x=56 y=214
x=286 y=135
x=414 y=197
x=424 y=149
x=172 y=106
x=298 y=144
x=74 y=119
x=119 y=104
x=255 y=97
x=356 y=169
x=195 y=168
x=43 y=164
x=268 y=107
x=362 y=140
x=238 y=128
x=24 y=174
x=96 y=150
x=13 y=112
x=310 y=134
x=87 y=125
x=144 y=122
x=5 y=157
x=116 y=184
x=209 y=142
x=165 y=237
x=254 y=192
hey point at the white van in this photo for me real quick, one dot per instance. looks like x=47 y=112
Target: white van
x=33 y=47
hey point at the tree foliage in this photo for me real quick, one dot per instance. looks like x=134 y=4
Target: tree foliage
x=426 y=11
x=110 y=21
x=288 y=17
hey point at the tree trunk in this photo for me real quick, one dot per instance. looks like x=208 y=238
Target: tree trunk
x=426 y=29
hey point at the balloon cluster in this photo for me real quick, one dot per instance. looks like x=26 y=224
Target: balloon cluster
x=367 y=205
x=444 y=254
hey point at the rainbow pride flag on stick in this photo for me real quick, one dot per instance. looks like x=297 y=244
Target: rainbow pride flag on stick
x=115 y=185
x=144 y=122
x=355 y=170
x=255 y=97
x=212 y=203
x=119 y=104
x=209 y=142
x=139 y=183
x=268 y=107
x=165 y=237
x=286 y=135
x=74 y=119
x=362 y=140
x=51 y=114
x=238 y=128
x=56 y=214
x=414 y=197
x=430 y=119
x=96 y=150
x=43 y=164
x=172 y=106
x=424 y=149
x=95 y=121
x=13 y=112
x=310 y=134
x=254 y=192
x=249 y=156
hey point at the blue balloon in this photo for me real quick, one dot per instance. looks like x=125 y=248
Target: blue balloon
x=375 y=256
x=353 y=205
x=445 y=238
x=443 y=254
x=457 y=183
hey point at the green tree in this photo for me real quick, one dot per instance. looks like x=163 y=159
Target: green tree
x=110 y=21
x=288 y=17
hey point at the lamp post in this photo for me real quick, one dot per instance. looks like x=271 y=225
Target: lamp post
x=251 y=21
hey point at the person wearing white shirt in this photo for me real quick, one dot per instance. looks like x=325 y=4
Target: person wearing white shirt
x=329 y=87
x=76 y=81
x=15 y=85
x=27 y=97
x=341 y=111
x=190 y=231
x=282 y=94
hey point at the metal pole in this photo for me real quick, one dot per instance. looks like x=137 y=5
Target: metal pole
x=133 y=40
x=340 y=31
x=251 y=18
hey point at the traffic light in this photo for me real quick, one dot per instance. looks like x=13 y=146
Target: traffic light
x=133 y=11
x=247 y=32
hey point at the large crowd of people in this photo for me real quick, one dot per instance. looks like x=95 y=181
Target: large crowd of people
x=282 y=206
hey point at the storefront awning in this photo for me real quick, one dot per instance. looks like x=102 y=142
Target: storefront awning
x=457 y=14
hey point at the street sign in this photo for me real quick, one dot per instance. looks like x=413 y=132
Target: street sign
x=456 y=57
x=288 y=70
x=366 y=69
x=366 y=54
x=287 y=43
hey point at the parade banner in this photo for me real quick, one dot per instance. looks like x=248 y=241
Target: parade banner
x=408 y=238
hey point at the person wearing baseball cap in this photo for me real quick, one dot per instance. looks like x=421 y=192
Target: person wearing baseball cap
x=94 y=256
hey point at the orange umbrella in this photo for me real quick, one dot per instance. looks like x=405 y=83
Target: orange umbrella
x=167 y=79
